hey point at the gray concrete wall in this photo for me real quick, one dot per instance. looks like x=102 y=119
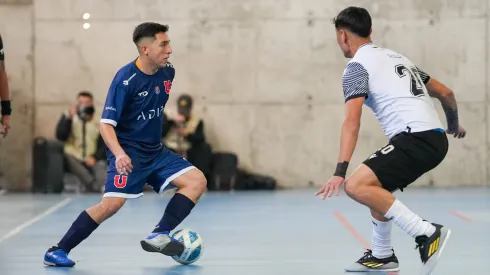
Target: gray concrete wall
x=266 y=73
x=16 y=27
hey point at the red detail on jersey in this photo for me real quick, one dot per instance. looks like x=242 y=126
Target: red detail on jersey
x=122 y=183
x=168 y=85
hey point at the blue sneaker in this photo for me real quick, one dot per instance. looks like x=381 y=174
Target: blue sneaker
x=57 y=257
x=161 y=242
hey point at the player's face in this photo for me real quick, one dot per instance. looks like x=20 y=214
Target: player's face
x=159 y=50
x=343 y=42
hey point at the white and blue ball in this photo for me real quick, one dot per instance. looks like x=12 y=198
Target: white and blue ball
x=193 y=246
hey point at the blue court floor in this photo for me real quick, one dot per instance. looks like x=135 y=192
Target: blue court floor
x=249 y=233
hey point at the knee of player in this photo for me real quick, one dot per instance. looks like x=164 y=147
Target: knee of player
x=198 y=182
x=350 y=187
x=358 y=187
x=110 y=206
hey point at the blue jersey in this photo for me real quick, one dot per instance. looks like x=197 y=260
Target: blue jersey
x=134 y=106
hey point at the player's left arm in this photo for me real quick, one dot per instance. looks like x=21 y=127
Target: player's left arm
x=448 y=102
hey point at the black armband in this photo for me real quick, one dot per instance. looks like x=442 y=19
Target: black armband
x=6 y=109
x=341 y=169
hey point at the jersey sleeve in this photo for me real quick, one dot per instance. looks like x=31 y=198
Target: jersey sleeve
x=2 y=53
x=424 y=76
x=116 y=100
x=355 y=81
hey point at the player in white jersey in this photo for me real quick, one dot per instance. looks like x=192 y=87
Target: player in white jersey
x=399 y=94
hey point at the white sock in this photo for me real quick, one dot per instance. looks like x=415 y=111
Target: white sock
x=381 y=245
x=408 y=221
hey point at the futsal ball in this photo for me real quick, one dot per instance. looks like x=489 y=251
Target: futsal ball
x=193 y=246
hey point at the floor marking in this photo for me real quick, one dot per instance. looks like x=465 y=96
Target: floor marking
x=352 y=230
x=44 y=214
x=461 y=216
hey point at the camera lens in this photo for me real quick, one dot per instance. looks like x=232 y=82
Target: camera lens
x=89 y=110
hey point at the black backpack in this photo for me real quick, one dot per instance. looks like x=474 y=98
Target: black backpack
x=47 y=166
x=254 y=181
x=224 y=171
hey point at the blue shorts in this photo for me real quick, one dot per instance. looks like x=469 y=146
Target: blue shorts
x=158 y=174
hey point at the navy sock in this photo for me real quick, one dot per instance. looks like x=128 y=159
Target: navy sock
x=178 y=208
x=81 y=228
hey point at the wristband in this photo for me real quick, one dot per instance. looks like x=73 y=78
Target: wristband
x=6 y=109
x=341 y=169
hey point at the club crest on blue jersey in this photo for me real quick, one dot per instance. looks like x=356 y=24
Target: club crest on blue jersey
x=168 y=86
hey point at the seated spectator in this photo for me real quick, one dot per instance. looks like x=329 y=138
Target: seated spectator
x=83 y=144
x=183 y=133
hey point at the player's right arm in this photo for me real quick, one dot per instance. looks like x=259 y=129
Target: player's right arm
x=114 y=105
x=448 y=101
x=4 y=94
x=355 y=83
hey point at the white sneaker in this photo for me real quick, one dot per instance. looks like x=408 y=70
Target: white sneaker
x=161 y=242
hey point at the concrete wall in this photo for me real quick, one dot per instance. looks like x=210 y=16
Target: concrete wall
x=16 y=27
x=266 y=73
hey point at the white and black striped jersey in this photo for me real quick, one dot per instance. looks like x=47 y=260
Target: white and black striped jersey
x=394 y=89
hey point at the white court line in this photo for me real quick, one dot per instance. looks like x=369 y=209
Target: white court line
x=21 y=227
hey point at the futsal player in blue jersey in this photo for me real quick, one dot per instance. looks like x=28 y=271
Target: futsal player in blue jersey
x=131 y=126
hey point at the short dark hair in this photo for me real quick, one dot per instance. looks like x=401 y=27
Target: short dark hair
x=148 y=29
x=85 y=93
x=355 y=19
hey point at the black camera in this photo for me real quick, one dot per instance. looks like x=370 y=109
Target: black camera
x=83 y=112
